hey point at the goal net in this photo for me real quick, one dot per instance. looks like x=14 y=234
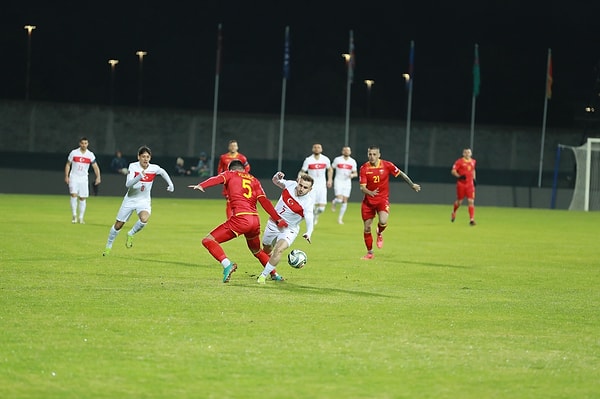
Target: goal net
x=586 y=194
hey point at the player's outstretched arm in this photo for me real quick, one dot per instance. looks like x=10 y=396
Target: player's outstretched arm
x=196 y=187
x=211 y=181
x=165 y=175
x=278 y=180
x=270 y=209
x=408 y=181
x=309 y=219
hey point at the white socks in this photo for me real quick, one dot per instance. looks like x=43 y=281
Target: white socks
x=82 y=205
x=74 y=206
x=268 y=269
x=136 y=227
x=111 y=236
x=342 y=210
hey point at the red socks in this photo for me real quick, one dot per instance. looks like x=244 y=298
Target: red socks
x=368 y=241
x=214 y=248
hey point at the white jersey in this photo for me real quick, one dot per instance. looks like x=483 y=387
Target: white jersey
x=293 y=208
x=317 y=168
x=343 y=168
x=139 y=188
x=80 y=163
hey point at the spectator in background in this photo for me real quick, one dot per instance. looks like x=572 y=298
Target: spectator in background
x=202 y=169
x=119 y=164
x=180 y=169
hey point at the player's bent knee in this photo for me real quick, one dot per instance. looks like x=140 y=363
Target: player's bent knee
x=206 y=241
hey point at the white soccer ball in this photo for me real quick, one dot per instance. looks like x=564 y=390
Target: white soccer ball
x=297 y=258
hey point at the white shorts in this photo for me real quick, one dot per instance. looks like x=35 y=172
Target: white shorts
x=342 y=188
x=79 y=186
x=319 y=193
x=129 y=206
x=273 y=234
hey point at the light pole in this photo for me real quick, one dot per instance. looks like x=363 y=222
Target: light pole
x=113 y=63
x=29 y=29
x=141 y=55
x=369 y=83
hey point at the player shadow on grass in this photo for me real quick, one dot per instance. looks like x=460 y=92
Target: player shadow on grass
x=438 y=265
x=288 y=285
x=170 y=262
x=328 y=290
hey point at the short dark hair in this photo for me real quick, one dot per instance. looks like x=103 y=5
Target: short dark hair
x=83 y=138
x=144 y=149
x=235 y=164
x=308 y=178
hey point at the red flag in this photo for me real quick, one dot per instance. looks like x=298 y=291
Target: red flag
x=549 y=79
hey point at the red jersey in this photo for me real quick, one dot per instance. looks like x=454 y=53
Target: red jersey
x=227 y=157
x=465 y=167
x=377 y=177
x=242 y=189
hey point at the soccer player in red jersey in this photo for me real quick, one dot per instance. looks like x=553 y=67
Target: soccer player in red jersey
x=243 y=191
x=224 y=160
x=374 y=180
x=464 y=171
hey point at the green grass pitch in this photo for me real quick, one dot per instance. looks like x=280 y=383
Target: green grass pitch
x=506 y=309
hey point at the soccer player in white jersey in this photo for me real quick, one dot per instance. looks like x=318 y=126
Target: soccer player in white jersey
x=294 y=205
x=345 y=169
x=76 y=177
x=140 y=178
x=318 y=166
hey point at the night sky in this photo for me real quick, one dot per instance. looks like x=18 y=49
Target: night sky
x=72 y=44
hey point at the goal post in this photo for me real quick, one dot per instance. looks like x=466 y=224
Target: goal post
x=586 y=194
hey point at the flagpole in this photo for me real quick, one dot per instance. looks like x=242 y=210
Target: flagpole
x=472 y=122
x=216 y=100
x=546 y=98
x=476 y=80
x=286 y=75
x=350 y=62
x=409 y=80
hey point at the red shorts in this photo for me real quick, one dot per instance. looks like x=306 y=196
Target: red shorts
x=248 y=225
x=370 y=209
x=465 y=191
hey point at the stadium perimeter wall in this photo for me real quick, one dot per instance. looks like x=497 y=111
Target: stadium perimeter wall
x=36 y=137
x=48 y=182
x=506 y=155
